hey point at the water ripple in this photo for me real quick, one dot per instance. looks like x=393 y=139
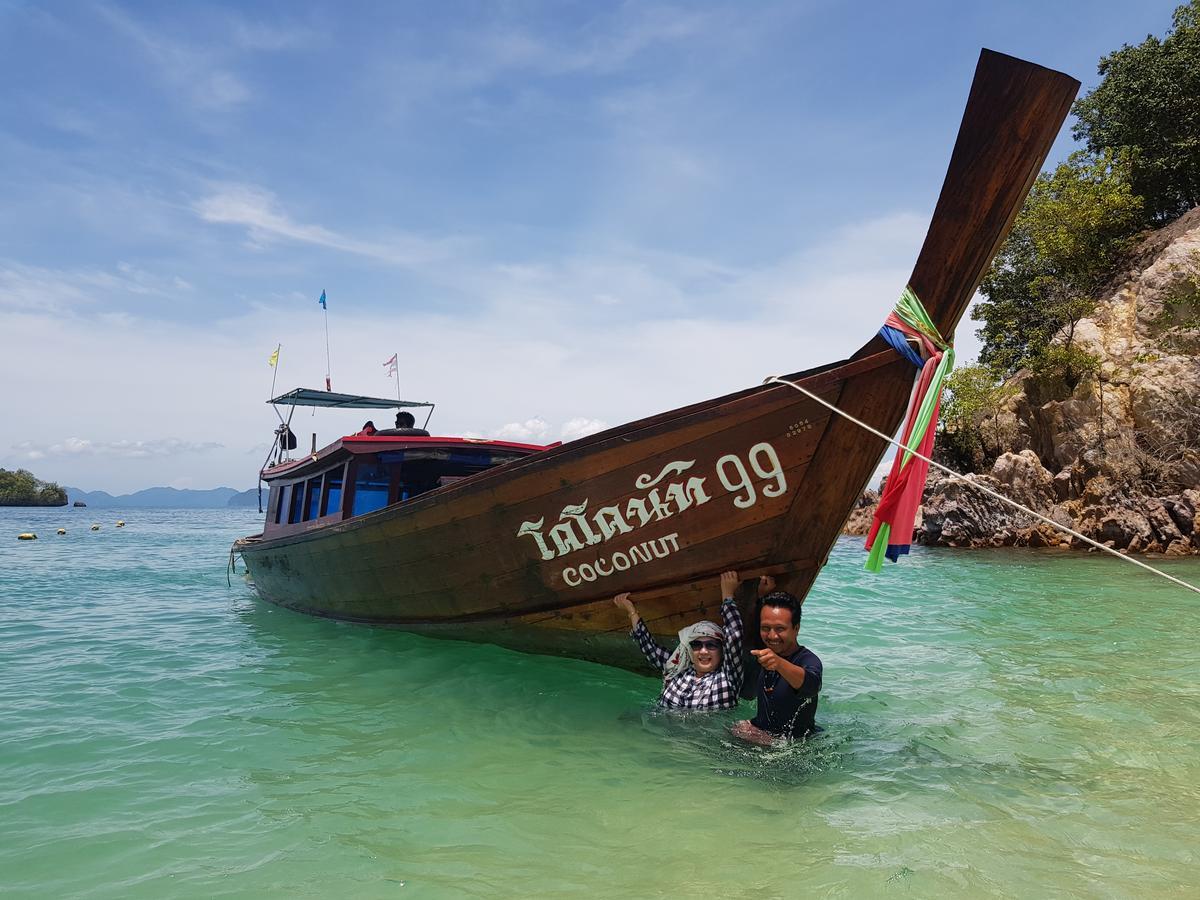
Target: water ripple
x=997 y=723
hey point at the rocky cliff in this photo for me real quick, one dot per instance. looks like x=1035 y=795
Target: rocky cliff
x=1116 y=456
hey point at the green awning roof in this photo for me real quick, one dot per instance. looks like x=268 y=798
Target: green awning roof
x=328 y=399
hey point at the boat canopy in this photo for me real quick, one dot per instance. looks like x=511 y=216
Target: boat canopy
x=328 y=399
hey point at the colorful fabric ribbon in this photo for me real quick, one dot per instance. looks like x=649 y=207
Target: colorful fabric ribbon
x=892 y=528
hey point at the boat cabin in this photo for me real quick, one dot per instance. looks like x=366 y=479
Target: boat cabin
x=361 y=473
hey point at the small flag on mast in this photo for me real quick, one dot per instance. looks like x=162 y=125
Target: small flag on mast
x=391 y=366
x=273 y=358
x=322 y=300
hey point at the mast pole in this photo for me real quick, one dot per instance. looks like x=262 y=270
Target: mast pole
x=328 y=386
x=275 y=371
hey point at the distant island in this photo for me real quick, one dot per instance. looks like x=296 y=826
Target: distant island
x=21 y=488
x=167 y=498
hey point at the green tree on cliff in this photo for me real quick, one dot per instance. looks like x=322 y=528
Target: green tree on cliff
x=973 y=393
x=1147 y=109
x=1070 y=236
x=21 y=488
x=1141 y=126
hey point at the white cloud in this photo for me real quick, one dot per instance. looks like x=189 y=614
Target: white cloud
x=74 y=446
x=542 y=356
x=538 y=431
x=258 y=210
x=192 y=70
x=24 y=287
x=222 y=89
x=271 y=37
x=532 y=431
x=620 y=172
x=581 y=426
x=612 y=41
x=603 y=47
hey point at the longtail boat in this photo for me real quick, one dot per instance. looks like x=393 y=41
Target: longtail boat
x=523 y=546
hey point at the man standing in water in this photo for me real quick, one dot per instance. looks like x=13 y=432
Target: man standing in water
x=790 y=679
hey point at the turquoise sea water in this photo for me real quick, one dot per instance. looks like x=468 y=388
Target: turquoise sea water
x=999 y=724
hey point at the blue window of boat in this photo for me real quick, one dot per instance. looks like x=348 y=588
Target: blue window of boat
x=280 y=495
x=333 y=492
x=297 y=505
x=312 y=498
x=370 y=488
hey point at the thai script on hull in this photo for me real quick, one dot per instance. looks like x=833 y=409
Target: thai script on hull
x=760 y=475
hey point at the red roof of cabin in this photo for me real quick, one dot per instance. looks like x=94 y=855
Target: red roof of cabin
x=361 y=443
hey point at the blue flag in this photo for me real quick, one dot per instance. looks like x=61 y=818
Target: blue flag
x=322 y=300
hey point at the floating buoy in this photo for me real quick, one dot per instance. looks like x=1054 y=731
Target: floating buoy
x=120 y=523
x=26 y=536
x=95 y=528
x=62 y=531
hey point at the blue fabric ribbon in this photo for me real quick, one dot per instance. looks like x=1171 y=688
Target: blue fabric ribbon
x=895 y=337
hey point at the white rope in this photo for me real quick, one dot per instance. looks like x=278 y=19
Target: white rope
x=775 y=379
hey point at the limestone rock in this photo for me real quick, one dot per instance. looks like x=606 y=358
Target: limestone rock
x=1064 y=514
x=860 y=518
x=956 y=515
x=1138 y=420
x=1121 y=527
x=1098 y=491
x=1024 y=479
x=1182 y=512
x=1062 y=485
x=1166 y=532
x=1116 y=456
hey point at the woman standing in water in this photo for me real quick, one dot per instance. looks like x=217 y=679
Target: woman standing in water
x=705 y=671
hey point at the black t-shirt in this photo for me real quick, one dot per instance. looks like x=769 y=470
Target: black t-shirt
x=781 y=708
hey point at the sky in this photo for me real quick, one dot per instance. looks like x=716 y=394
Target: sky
x=561 y=216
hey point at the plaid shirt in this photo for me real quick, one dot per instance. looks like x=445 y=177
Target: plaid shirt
x=687 y=690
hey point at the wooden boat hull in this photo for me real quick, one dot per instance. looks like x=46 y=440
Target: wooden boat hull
x=529 y=554
x=454 y=561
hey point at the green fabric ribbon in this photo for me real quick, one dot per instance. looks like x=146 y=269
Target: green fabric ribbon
x=925 y=411
x=878 y=549
x=911 y=311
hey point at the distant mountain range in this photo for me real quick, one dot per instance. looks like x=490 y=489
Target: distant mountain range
x=168 y=498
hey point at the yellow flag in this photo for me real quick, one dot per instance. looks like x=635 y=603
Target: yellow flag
x=273 y=358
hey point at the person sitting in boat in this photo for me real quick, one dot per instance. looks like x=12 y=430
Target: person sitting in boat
x=705 y=671
x=286 y=437
x=405 y=425
x=367 y=430
x=790 y=679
